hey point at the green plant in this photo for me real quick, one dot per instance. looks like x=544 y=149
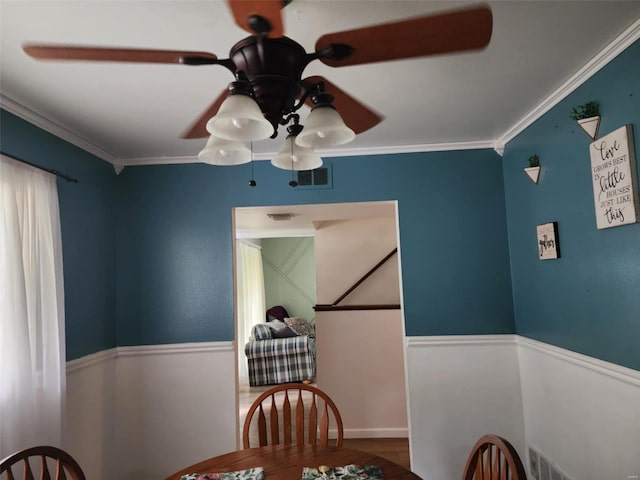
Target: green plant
x=586 y=110
x=534 y=161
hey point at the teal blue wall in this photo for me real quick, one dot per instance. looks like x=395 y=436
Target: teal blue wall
x=87 y=217
x=589 y=299
x=174 y=269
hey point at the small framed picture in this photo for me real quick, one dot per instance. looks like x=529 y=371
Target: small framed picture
x=548 y=247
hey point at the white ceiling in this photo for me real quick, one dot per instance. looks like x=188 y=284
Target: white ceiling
x=135 y=113
x=254 y=222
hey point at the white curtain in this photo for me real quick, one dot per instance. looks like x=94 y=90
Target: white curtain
x=32 y=354
x=250 y=297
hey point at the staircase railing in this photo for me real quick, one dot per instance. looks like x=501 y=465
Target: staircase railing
x=335 y=305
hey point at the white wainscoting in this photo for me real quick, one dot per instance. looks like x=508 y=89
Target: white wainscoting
x=142 y=413
x=460 y=387
x=581 y=413
x=175 y=405
x=89 y=421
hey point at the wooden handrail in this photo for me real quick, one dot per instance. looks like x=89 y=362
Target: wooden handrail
x=335 y=306
x=366 y=275
x=330 y=308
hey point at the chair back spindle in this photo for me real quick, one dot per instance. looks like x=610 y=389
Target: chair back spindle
x=310 y=402
x=493 y=458
x=18 y=465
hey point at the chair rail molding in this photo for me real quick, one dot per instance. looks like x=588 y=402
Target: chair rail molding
x=617 y=372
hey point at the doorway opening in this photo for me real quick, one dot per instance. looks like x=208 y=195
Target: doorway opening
x=346 y=240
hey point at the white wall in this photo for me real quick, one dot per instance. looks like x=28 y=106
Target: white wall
x=581 y=413
x=460 y=388
x=360 y=353
x=346 y=250
x=360 y=364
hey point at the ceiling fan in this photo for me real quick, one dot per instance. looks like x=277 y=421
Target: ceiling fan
x=268 y=68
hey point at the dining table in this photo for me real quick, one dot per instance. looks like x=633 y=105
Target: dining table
x=286 y=462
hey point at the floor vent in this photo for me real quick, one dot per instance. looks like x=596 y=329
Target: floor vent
x=318 y=178
x=541 y=468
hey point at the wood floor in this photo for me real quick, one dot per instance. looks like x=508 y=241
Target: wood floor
x=393 y=449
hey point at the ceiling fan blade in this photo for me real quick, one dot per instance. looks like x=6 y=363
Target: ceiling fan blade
x=101 y=54
x=356 y=115
x=199 y=128
x=268 y=9
x=461 y=30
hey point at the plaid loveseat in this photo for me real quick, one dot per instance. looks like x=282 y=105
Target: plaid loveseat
x=279 y=360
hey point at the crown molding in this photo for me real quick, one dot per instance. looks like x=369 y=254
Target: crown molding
x=606 y=55
x=56 y=129
x=391 y=150
x=353 y=152
x=134 y=162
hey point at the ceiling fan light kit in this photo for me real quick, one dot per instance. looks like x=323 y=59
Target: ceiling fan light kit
x=294 y=157
x=220 y=151
x=239 y=119
x=268 y=67
x=324 y=128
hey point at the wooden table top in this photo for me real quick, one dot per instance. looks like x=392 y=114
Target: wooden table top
x=285 y=462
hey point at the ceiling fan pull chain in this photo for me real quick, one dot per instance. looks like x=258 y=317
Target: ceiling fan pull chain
x=252 y=182
x=293 y=182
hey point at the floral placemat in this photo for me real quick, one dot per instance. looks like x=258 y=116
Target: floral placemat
x=250 y=474
x=347 y=472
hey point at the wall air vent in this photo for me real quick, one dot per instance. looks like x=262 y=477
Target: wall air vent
x=280 y=217
x=318 y=178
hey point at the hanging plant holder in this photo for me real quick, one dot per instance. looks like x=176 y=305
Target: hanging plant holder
x=533 y=173
x=590 y=125
x=588 y=117
x=533 y=170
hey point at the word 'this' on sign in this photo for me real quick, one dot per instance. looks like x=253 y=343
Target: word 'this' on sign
x=615 y=179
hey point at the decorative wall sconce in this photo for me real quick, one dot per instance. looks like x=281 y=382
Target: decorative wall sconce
x=533 y=170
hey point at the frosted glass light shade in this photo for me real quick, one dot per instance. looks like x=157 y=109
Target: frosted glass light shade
x=324 y=128
x=303 y=158
x=219 y=151
x=240 y=118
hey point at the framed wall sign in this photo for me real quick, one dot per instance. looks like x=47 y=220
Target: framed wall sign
x=548 y=247
x=615 y=179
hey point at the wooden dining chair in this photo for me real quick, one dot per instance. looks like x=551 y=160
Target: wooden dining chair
x=493 y=458
x=271 y=414
x=47 y=462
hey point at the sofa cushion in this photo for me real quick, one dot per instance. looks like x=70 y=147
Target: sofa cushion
x=300 y=325
x=281 y=330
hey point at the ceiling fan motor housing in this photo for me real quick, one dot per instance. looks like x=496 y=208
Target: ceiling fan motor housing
x=274 y=69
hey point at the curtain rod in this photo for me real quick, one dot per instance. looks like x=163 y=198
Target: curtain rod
x=49 y=170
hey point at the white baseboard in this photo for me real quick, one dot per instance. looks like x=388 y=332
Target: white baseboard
x=376 y=433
